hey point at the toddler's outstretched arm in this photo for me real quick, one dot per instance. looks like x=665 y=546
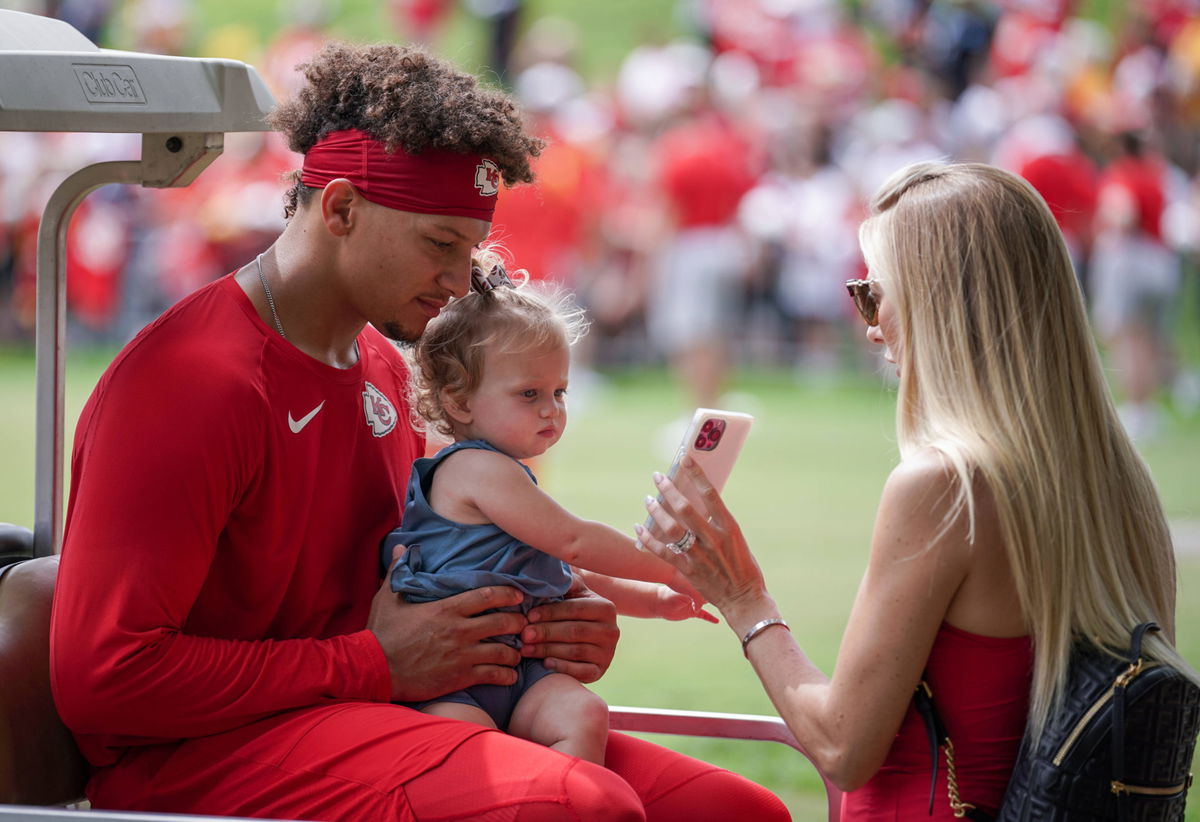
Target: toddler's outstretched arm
x=486 y=486
x=646 y=600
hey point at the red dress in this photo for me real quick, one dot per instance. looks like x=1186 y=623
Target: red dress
x=981 y=687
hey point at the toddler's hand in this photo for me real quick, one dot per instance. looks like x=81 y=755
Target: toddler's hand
x=648 y=600
x=675 y=606
x=682 y=586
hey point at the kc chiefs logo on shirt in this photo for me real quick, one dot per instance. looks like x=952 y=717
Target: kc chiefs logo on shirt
x=487 y=178
x=380 y=413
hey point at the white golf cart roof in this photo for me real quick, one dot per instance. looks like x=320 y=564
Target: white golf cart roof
x=52 y=78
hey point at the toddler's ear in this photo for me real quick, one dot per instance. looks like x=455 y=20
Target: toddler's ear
x=455 y=405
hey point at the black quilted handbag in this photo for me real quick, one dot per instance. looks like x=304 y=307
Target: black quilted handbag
x=1120 y=747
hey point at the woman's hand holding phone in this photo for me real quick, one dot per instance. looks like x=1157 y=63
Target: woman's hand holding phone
x=718 y=562
x=713 y=440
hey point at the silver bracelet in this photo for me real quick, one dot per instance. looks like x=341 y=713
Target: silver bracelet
x=758 y=628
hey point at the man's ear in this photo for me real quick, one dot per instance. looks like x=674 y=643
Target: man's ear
x=456 y=406
x=338 y=199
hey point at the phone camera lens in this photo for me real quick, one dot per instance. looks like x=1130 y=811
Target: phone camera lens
x=710 y=434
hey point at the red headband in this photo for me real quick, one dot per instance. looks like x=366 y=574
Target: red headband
x=432 y=182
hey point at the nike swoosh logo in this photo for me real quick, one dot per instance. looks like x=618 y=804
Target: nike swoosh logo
x=298 y=425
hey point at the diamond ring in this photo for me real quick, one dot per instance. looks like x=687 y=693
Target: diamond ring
x=683 y=544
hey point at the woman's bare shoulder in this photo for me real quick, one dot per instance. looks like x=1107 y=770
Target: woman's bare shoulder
x=925 y=506
x=930 y=475
x=926 y=478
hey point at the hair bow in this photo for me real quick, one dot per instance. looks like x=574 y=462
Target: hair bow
x=495 y=278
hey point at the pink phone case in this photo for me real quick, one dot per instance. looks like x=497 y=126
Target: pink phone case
x=713 y=439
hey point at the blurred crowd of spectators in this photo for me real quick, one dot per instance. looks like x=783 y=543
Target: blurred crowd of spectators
x=704 y=201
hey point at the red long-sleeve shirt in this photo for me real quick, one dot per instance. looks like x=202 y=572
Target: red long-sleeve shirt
x=228 y=498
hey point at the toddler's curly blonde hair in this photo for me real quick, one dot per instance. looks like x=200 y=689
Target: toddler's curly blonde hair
x=513 y=320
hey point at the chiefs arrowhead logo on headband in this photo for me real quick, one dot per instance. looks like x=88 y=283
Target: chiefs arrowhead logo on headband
x=431 y=182
x=487 y=178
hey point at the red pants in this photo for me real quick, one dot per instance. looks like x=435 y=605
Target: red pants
x=363 y=762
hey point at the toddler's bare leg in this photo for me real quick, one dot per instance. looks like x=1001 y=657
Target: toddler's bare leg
x=457 y=710
x=561 y=713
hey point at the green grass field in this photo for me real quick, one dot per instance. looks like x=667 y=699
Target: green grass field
x=805 y=489
x=606 y=31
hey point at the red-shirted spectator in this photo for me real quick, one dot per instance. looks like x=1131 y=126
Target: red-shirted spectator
x=704 y=169
x=1136 y=277
x=704 y=172
x=420 y=20
x=1067 y=182
x=1139 y=178
x=542 y=226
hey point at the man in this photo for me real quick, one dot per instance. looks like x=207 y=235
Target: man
x=221 y=643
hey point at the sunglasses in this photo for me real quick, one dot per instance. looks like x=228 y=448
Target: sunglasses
x=864 y=300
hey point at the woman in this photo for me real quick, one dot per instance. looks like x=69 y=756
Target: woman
x=1019 y=517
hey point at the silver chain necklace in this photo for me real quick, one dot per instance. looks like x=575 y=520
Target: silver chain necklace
x=270 y=298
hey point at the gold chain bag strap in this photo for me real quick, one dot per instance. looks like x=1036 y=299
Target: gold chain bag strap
x=938 y=739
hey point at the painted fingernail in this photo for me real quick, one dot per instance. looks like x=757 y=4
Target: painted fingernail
x=658 y=478
x=638 y=529
x=649 y=500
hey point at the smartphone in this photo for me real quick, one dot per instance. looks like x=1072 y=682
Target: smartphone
x=713 y=439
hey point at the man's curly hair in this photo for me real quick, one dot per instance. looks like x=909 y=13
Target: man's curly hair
x=407 y=99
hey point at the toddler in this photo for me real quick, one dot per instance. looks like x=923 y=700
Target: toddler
x=491 y=373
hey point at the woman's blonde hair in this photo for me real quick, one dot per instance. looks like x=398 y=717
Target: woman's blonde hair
x=449 y=357
x=1000 y=374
